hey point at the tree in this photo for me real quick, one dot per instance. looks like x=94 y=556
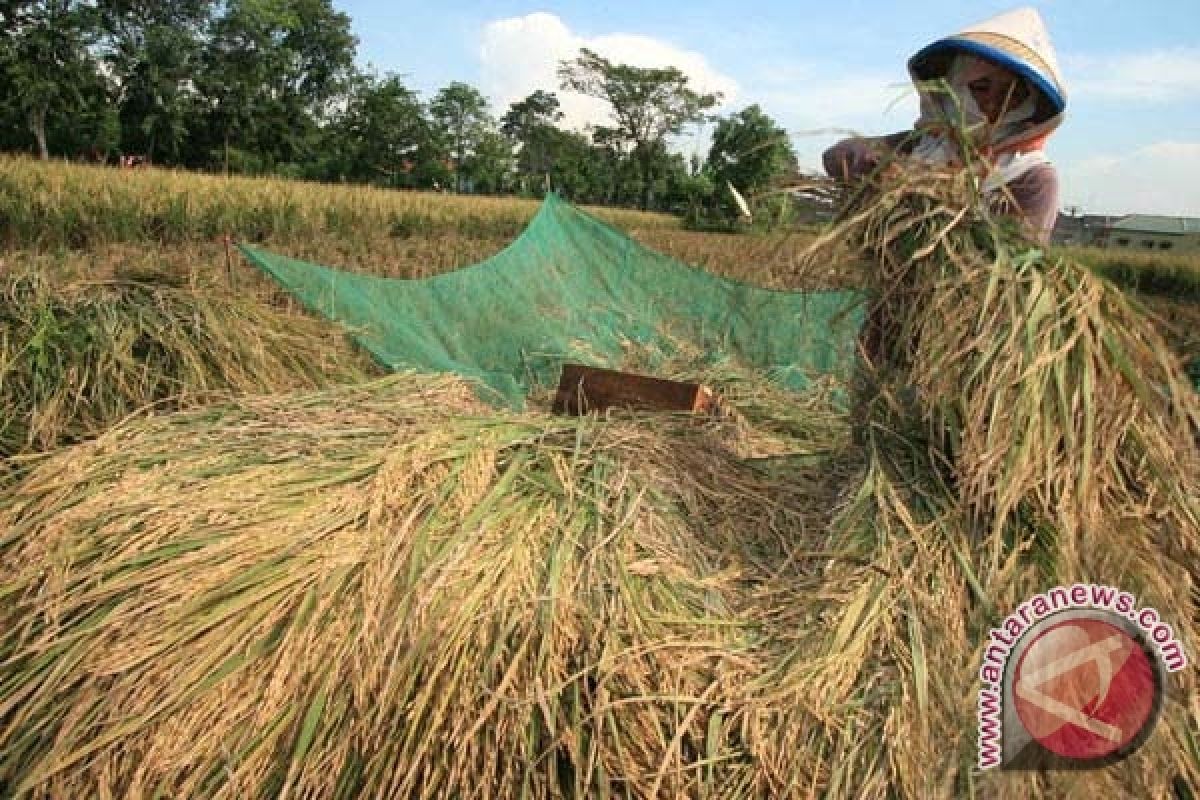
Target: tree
x=571 y=165
x=748 y=151
x=153 y=49
x=648 y=105
x=157 y=101
x=383 y=136
x=460 y=114
x=531 y=124
x=46 y=68
x=273 y=71
x=536 y=111
x=696 y=190
x=490 y=165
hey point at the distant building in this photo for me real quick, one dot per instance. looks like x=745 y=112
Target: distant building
x=1148 y=232
x=1081 y=230
x=812 y=206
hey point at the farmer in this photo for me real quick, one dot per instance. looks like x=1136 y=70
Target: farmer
x=1007 y=91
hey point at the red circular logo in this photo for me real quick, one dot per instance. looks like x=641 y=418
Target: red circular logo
x=1085 y=689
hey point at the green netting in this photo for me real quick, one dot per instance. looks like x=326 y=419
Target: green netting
x=573 y=288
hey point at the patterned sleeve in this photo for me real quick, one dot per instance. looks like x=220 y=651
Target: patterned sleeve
x=1036 y=196
x=852 y=159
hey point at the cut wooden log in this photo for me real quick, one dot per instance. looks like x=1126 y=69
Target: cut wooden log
x=582 y=389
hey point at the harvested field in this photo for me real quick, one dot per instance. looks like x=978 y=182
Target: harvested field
x=76 y=359
x=328 y=584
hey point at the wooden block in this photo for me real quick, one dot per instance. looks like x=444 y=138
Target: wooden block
x=582 y=389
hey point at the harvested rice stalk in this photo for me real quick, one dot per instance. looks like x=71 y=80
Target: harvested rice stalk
x=382 y=591
x=1036 y=381
x=75 y=360
x=768 y=420
x=1026 y=429
x=875 y=665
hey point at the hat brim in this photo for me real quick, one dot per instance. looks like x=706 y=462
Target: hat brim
x=919 y=66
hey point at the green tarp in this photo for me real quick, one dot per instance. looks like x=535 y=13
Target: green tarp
x=573 y=288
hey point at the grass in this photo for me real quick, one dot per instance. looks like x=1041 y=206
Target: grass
x=76 y=359
x=383 y=590
x=77 y=221
x=81 y=221
x=51 y=205
x=1171 y=275
x=386 y=590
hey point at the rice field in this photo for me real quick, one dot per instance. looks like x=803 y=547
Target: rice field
x=79 y=222
x=236 y=561
x=101 y=265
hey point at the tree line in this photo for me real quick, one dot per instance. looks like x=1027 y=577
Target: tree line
x=271 y=87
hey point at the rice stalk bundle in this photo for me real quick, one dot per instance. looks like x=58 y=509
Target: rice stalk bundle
x=871 y=671
x=769 y=421
x=1024 y=428
x=1038 y=384
x=385 y=591
x=75 y=360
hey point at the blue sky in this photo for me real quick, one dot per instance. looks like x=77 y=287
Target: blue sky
x=1131 y=140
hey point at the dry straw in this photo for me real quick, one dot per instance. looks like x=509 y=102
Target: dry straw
x=76 y=359
x=1024 y=427
x=382 y=591
x=388 y=591
x=1038 y=386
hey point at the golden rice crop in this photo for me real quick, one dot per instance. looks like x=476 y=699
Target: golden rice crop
x=78 y=358
x=44 y=205
x=1038 y=382
x=75 y=220
x=384 y=591
x=1025 y=427
x=388 y=590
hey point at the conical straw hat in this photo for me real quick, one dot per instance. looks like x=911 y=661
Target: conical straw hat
x=1017 y=40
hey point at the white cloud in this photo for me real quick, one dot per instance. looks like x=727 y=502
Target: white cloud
x=521 y=54
x=818 y=109
x=1154 y=76
x=865 y=103
x=1160 y=178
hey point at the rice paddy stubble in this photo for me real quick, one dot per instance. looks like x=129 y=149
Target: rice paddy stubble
x=384 y=591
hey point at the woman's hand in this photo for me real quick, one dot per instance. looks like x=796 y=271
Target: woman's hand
x=851 y=159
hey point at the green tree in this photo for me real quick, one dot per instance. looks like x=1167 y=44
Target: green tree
x=531 y=124
x=536 y=111
x=92 y=130
x=750 y=151
x=570 y=162
x=695 y=192
x=46 y=67
x=491 y=163
x=274 y=71
x=157 y=103
x=648 y=105
x=383 y=136
x=460 y=116
x=152 y=48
